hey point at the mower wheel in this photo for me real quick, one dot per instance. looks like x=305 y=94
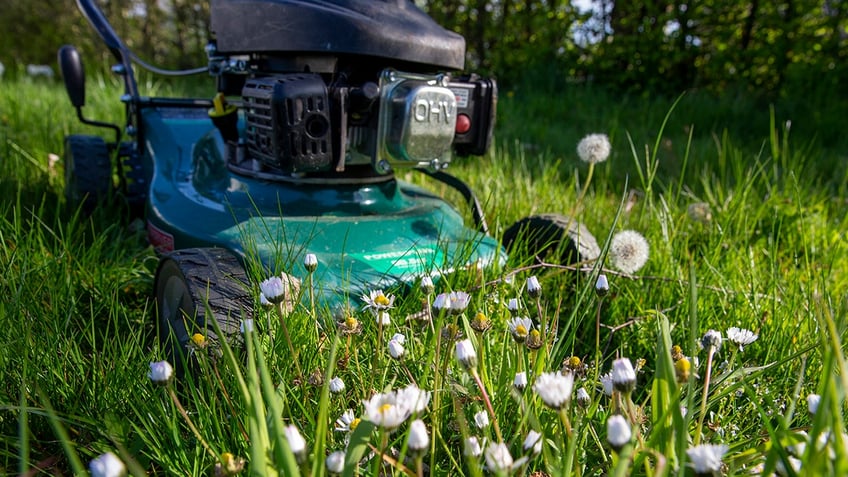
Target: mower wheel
x=88 y=171
x=192 y=286
x=552 y=235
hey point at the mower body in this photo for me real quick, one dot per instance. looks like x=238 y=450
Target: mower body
x=331 y=98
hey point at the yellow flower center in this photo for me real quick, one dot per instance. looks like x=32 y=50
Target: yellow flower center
x=535 y=334
x=354 y=423
x=351 y=322
x=385 y=408
x=481 y=318
x=198 y=339
x=381 y=300
x=226 y=457
x=520 y=330
x=574 y=362
x=682 y=368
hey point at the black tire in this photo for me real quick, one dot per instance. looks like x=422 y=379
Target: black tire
x=552 y=237
x=88 y=172
x=192 y=286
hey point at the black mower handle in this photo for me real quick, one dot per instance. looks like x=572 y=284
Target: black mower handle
x=95 y=16
x=73 y=73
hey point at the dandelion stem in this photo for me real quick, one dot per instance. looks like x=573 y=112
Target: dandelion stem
x=183 y=412
x=488 y=402
x=703 y=412
x=580 y=197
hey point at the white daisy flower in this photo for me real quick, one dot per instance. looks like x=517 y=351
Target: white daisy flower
x=246 y=325
x=400 y=338
x=107 y=465
x=274 y=289
x=705 y=459
x=520 y=381
x=396 y=349
x=347 y=422
x=813 y=403
x=336 y=385
x=618 y=431
x=534 y=288
x=602 y=285
x=628 y=251
x=427 y=285
x=335 y=462
x=513 y=306
x=310 y=262
x=452 y=303
x=594 y=148
x=481 y=419
x=386 y=411
x=297 y=443
x=418 y=440
x=498 y=458
x=520 y=328
x=623 y=375
x=416 y=399
x=161 y=372
x=606 y=383
x=377 y=301
x=465 y=354
x=554 y=388
x=740 y=337
x=583 y=399
x=533 y=442
x=473 y=448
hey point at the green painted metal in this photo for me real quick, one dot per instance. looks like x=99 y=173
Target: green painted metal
x=365 y=236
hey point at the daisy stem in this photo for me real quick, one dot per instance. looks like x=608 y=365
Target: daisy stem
x=488 y=402
x=543 y=322
x=294 y=357
x=183 y=412
x=312 y=306
x=437 y=398
x=703 y=412
x=598 y=340
x=419 y=467
x=572 y=442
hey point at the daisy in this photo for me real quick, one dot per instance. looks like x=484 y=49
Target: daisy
x=623 y=375
x=618 y=431
x=583 y=399
x=310 y=262
x=335 y=462
x=337 y=385
x=274 y=289
x=473 y=448
x=498 y=458
x=416 y=399
x=533 y=441
x=534 y=288
x=481 y=420
x=705 y=459
x=520 y=381
x=520 y=328
x=740 y=337
x=107 y=465
x=376 y=300
x=465 y=354
x=554 y=389
x=813 y=403
x=297 y=443
x=386 y=410
x=602 y=285
x=418 y=440
x=453 y=303
x=396 y=349
x=347 y=422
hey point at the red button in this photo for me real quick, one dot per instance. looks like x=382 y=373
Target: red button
x=463 y=124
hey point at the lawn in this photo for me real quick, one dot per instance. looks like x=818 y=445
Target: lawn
x=741 y=204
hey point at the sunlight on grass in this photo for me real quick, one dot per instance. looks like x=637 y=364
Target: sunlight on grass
x=536 y=367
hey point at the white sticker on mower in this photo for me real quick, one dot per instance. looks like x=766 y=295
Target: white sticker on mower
x=461 y=97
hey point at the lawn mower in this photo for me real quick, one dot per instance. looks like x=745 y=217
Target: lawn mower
x=318 y=104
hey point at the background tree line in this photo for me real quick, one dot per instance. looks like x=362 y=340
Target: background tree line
x=645 y=46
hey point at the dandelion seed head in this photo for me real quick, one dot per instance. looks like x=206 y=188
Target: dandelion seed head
x=628 y=251
x=700 y=212
x=594 y=148
x=711 y=339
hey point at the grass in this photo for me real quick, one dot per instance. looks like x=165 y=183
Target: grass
x=78 y=332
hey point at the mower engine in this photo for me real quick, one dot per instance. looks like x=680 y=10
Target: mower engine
x=318 y=103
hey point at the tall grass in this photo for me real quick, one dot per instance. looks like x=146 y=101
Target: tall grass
x=77 y=329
